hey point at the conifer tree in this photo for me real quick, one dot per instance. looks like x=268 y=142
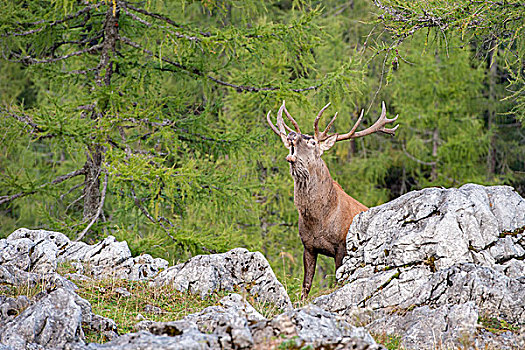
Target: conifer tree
x=494 y=31
x=130 y=122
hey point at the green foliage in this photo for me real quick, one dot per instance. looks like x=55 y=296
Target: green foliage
x=496 y=325
x=389 y=341
x=177 y=115
x=492 y=26
x=440 y=133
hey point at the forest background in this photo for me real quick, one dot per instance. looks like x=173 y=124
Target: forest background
x=147 y=120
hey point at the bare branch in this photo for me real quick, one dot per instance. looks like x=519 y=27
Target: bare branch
x=148 y=215
x=137 y=18
x=150 y=14
x=71 y=190
x=148 y=24
x=171 y=124
x=196 y=72
x=61 y=178
x=241 y=88
x=81 y=71
x=82 y=42
x=416 y=159
x=24 y=118
x=51 y=24
x=73 y=203
x=31 y=60
x=99 y=210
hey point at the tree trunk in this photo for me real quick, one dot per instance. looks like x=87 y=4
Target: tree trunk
x=491 y=113
x=95 y=152
x=93 y=168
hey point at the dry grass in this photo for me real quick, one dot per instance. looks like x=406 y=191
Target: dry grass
x=155 y=303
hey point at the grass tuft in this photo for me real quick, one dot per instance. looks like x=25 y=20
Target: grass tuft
x=496 y=325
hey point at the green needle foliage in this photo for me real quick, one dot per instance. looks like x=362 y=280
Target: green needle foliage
x=146 y=120
x=492 y=26
x=441 y=135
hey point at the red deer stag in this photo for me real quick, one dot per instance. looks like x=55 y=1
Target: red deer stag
x=325 y=210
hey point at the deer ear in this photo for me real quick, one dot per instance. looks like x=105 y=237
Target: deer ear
x=328 y=143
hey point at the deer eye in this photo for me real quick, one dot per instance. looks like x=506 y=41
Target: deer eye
x=312 y=142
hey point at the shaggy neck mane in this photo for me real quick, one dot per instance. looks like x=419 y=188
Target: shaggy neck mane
x=313 y=188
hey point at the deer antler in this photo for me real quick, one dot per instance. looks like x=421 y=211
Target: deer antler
x=296 y=126
x=322 y=136
x=280 y=122
x=275 y=130
x=379 y=125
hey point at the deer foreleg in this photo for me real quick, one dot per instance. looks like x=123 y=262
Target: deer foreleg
x=339 y=255
x=309 y=261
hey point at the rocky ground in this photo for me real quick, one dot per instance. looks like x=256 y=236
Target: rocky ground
x=437 y=268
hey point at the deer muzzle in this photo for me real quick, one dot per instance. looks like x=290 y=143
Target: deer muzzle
x=292 y=139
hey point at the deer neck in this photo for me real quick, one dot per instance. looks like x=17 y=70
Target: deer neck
x=314 y=192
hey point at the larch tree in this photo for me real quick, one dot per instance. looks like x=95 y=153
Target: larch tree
x=128 y=112
x=494 y=31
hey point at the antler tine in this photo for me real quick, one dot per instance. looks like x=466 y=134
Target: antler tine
x=275 y=130
x=351 y=133
x=296 y=126
x=316 y=121
x=289 y=129
x=278 y=131
x=324 y=134
x=379 y=125
x=280 y=122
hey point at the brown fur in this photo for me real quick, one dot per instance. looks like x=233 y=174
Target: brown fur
x=325 y=210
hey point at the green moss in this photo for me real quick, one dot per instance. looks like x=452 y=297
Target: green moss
x=496 y=325
x=389 y=341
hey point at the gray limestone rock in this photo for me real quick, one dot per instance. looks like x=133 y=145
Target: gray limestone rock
x=123 y=292
x=492 y=292
x=106 y=326
x=171 y=328
x=447 y=327
x=230 y=322
x=437 y=228
x=52 y=321
x=236 y=269
x=11 y=307
x=236 y=325
x=501 y=341
x=438 y=251
x=311 y=326
x=11 y=275
x=190 y=339
x=395 y=249
x=235 y=303
x=41 y=251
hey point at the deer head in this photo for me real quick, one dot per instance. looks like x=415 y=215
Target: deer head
x=305 y=149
